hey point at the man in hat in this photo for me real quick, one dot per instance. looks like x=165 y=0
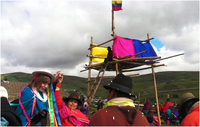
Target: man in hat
x=189 y=110
x=119 y=110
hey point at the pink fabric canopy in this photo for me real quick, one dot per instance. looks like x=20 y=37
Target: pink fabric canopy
x=122 y=47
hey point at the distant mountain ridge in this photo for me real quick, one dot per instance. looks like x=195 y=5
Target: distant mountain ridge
x=187 y=81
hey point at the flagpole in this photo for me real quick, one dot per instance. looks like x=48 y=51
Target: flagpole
x=113 y=30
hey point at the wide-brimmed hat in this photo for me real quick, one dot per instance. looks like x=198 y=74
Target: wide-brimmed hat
x=185 y=98
x=45 y=72
x=152 y=109
x=121 y=83
x=3 y=92
x=74 y=95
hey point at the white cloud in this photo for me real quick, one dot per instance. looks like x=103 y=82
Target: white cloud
x=56 y=34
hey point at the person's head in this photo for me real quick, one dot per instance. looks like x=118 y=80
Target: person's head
x=120 y=86
x=147 y=101
x=42 y=79
x=187 y=101
x=73 y=101
x=3 y=92
x=152 y=110
x=150 y=118
x=168 y=100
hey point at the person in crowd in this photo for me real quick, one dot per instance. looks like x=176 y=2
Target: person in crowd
x=160 y=108
x=167 y=104
x=84 y=107
x=33 y=103
x=150 y=120
x=100 y=104
x=8 y=115
x=109 y=57
x=189 y=110
x=119 y=109
x=168 y=115
x=69 y=113
x=155 y=118
x=147 y=106
x=175 y=116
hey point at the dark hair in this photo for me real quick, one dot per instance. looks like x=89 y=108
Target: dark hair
x=122 y=94
x=188 y=104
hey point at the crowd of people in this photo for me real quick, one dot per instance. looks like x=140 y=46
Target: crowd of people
x=31 y=109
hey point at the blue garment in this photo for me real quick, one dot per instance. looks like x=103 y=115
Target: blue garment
x=139 y=47
x=85 y=109
x=26 y=95
x=169 y=112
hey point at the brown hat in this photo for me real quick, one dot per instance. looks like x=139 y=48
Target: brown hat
x=74 y=95
x=186 y=98
x=152 y=109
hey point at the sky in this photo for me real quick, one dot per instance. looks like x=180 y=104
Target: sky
x=56 y=35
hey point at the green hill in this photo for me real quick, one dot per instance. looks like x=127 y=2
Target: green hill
x=180 y=82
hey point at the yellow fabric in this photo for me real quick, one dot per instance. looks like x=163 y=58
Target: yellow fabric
x=99 y=51
x=124 y=103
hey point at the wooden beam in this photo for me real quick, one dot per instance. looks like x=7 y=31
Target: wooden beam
x=101 y=43
x=117 y=61
x=127 y=70
x=96 y=56
x=108 y=77
x=170 y=57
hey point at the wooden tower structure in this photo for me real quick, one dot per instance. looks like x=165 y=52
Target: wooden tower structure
x=120 y=65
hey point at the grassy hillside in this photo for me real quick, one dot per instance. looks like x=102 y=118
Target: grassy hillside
x=166 y=82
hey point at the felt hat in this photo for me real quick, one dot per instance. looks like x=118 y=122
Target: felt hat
x=3 y=92
x=45 y=72
x=121 y=83
x=185 y=98
x=152 y=109
x=74 y=95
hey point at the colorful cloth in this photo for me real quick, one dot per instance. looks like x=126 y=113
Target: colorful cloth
x=146 y=107
x=139 y=47
x=167 y=105
x=118 y=114
x=70 y=117
x=40 y=107
x=122 y=47
x=85 y=109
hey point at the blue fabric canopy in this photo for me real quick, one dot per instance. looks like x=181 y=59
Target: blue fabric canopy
x=139 y=47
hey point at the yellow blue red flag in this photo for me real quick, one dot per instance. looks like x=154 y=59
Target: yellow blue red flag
x=117 y=5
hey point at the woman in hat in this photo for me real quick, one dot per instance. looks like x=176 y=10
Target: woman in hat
x=189 y=110
x=69 y=113
x=33 y=104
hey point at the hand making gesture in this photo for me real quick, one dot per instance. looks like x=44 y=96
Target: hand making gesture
x=59 y=78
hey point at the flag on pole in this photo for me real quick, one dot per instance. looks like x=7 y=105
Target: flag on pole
x=117 y=5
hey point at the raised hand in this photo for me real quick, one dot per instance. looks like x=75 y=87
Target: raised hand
x=59 y=77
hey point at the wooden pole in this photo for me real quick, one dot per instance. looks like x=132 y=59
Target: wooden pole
x=156 y=94
x=90 y=62
x=113 y=29
x=139 y=101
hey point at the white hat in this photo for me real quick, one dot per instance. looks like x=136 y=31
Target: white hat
x=3 y=92
x=46 y=72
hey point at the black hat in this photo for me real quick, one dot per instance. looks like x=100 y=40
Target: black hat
x=121 y=83
x=74 y=95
